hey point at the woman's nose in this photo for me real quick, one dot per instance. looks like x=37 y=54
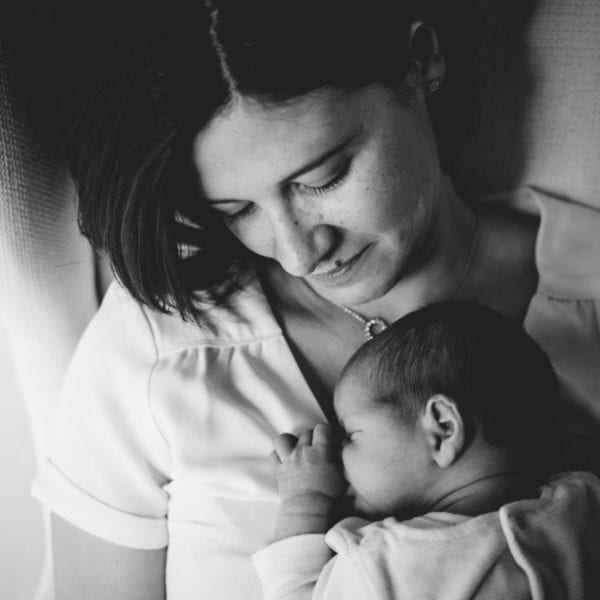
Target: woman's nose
x=301 y=243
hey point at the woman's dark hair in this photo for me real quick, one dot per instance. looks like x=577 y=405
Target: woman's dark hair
x=502 y=381
x=156 y=83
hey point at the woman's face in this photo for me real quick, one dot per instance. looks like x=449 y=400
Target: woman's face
x=338 y=188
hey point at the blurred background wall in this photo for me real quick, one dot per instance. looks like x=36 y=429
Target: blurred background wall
x=21 y=524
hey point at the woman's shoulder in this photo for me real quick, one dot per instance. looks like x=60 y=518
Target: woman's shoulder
x=568 y=247
x=246 y=318
x=567 y=243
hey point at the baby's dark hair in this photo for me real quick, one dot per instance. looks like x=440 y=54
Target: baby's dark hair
x=501 y=380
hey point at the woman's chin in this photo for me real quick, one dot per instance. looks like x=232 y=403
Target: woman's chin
x=358 y=293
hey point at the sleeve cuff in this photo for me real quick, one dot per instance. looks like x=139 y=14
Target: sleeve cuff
x=95 y=517
x=291 y=563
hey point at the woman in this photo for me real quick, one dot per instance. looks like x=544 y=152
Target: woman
x=276 y=175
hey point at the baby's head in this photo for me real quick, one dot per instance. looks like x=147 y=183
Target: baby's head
x=449 y=393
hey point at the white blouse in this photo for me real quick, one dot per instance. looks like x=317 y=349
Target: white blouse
x=162 y=431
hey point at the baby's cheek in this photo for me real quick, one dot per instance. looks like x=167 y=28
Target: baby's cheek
x=351 y=466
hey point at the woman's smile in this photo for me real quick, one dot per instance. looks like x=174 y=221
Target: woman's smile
x=341 y=272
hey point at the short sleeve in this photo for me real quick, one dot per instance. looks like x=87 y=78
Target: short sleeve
x=288 y=569
x=108 y=462
x=302 y=567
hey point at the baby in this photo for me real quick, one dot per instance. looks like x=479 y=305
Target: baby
x=448 y=426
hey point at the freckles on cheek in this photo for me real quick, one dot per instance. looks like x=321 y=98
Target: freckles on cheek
x=382 y=195
x=382 y=206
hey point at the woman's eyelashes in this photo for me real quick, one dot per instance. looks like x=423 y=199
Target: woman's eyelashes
x=231 y=219
x=318 y=190
x=332 y=184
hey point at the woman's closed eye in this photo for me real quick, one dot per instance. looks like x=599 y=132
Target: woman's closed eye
x=249 y=207
x=232 y=218
x=329 y=185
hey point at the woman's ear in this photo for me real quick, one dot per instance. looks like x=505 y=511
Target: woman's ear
x=444 y=429
x=428 y=56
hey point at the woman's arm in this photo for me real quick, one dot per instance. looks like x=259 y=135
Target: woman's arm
x=87 y=567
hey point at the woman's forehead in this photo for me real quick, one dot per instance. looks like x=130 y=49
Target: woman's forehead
x=251 y=142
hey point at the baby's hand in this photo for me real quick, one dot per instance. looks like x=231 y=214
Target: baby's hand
x=309 y=481
x=309 y=470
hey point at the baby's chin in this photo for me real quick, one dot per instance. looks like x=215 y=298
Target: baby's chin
x=370 y=511
x=358 y=507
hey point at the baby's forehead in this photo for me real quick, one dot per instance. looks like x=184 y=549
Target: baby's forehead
x=352 y=393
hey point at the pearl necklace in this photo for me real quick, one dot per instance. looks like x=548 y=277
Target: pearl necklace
x=375 y=325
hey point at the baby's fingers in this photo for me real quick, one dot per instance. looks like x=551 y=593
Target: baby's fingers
x=284 y=444
x=322 y=437
x=305 y=439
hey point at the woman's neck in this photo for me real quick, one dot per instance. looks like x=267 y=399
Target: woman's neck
x=439 y=265
x=486 y=257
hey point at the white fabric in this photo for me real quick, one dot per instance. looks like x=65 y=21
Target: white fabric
x=542 y=549
x=163 y=429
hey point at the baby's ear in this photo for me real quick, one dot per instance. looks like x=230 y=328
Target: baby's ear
x=444 y=429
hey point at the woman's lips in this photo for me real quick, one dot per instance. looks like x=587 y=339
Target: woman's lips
x=339 y=274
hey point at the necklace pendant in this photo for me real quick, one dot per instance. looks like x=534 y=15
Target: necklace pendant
x=373 y=327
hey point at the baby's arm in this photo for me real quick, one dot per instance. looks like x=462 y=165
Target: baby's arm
x=310 y=483
x=300 y=564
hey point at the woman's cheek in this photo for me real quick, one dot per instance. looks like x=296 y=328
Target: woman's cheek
x=254 y=235
x=377 y=204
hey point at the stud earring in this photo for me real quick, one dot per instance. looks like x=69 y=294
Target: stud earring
x=433 y=86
